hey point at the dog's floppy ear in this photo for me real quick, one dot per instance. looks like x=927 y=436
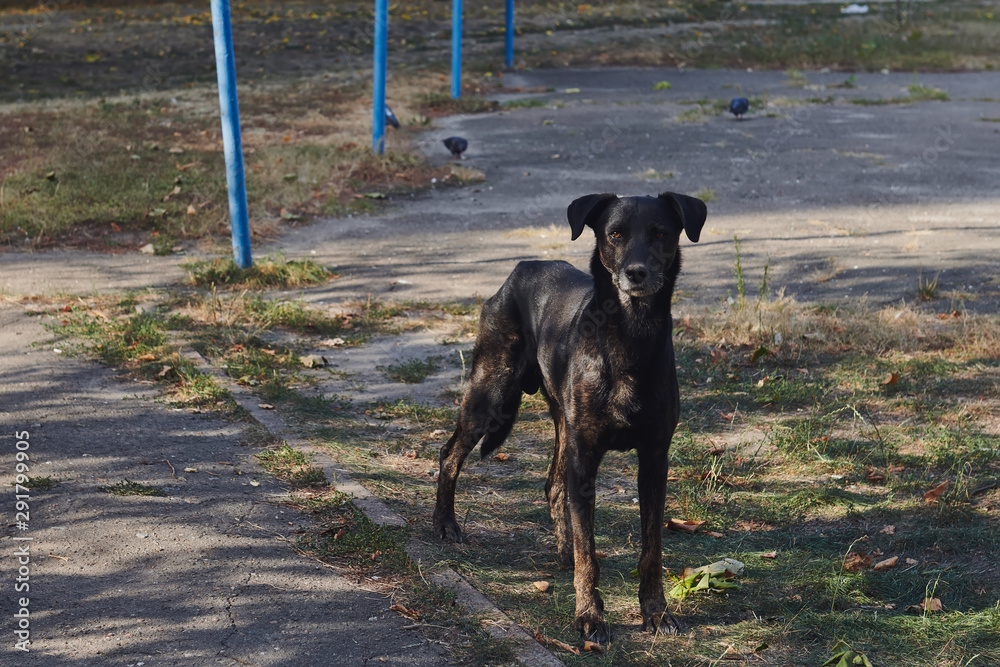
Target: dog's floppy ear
x=691 y=211
x=584 y=211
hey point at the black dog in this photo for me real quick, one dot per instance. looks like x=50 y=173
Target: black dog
x=600 y=350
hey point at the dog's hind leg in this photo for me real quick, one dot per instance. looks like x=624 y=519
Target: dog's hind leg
x=486 y=417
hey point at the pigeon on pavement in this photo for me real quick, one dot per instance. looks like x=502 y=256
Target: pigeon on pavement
x=457 y=146
x=739 y=106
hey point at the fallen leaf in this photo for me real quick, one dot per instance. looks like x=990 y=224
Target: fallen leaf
x=265 y=406
x=164 y=371
x=927 y=605
x=717 y=451
x=339 y=535
x=190 y=470
x=332 y=342
x=184 y=167
x=912 y=561
x=377 y=555
x=593 y=646
x=147 y=357
x=886 y=564
x=176 y=150
x=502 y=456
x=934 y=493
x=542 y=585
x=314 y=361
x=600 y=554
x=770 y=554
x=888 y=530
x=542 y=639
x=760 y=383
x=191 y=210
x=409 y=613
x=412 y=454
x=856 y=561
x=712 y=533
x=890 y=379
x=688 y=526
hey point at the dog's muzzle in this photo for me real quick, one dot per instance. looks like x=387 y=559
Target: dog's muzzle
x=637 y=280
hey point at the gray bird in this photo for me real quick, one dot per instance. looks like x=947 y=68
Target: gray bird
x=457 y=146
x=390 y=117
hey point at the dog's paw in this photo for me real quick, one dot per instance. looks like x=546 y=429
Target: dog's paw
x=447 y=528
x=592 y=628
x=660 y=622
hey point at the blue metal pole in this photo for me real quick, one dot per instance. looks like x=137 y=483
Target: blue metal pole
x=456 y=48
x=378 y=75
x=232 y=144
x=509 y=35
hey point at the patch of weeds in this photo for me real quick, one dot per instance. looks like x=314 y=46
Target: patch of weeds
x=344 y=535
x=466 y=175
x=293 y=315
x=920 y=93
x=115 y=342
x=927 y=290
x=408 y=409
x=525 y=103
x=444 y=103
x=272 y=371
x=662 y=85
x=796 y=78
x=292 y=466
x=41 y=483
x=653 y=175
x=413 y=371
x=127 y=488
x=706 y=195
x=266 y=273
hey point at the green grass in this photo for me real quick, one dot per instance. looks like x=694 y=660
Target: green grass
x=343 y=534
x=413 y=371
x=446 y=104
x=127 y=488
x=113 y=333
x=292 y=466
x=525 y=103
x=41 y=483
x=706 y=195
x=266 y=273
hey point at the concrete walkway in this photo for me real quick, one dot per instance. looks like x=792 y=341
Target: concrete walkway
x=203 y=576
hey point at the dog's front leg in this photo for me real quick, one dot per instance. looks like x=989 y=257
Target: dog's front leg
x=652 y=494
x=581 y=474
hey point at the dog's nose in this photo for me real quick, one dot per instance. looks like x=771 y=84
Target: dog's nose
x=637 y=274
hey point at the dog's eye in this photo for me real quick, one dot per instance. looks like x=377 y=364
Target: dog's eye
x=615 y=235
x=659 y=235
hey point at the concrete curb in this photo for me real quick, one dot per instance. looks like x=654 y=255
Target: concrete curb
x=528 y=651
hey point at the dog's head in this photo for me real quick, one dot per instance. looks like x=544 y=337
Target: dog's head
x=637 y=237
